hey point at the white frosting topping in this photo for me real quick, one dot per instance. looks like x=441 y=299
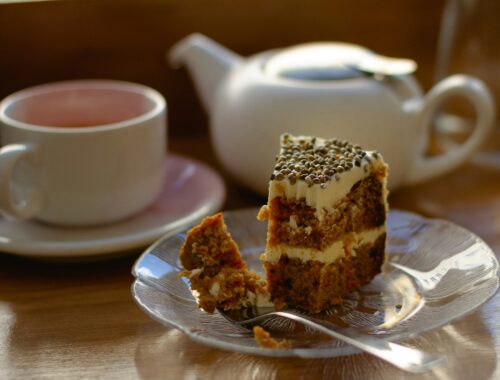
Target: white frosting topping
x=329 y=255
x=327 y=194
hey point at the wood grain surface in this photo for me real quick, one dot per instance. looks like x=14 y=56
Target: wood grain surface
x=62 y=320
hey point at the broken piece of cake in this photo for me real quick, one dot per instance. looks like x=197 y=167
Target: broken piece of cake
x=215 y=269
x=327 y=213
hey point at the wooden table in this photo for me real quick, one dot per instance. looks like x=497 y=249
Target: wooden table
x=67 y=321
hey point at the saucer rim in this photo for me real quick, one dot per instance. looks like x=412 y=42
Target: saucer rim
x=105 y=246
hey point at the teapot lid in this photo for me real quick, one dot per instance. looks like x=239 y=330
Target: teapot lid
x=332 y=61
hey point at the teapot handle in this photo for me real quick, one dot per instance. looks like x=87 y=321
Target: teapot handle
x=475 y=91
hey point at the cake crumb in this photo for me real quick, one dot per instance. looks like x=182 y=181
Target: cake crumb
x=263 y=213
x=264 y=339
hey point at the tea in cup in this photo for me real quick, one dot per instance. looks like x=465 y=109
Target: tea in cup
x=81 y=152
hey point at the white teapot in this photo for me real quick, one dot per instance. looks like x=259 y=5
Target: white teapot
x=323 y=89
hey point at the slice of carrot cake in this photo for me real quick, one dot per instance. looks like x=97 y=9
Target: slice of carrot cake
x=327 y=212
x=218 y=275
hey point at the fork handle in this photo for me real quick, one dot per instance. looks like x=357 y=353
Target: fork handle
x=403 y=357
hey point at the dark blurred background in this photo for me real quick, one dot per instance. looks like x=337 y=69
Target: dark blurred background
x=56 y=40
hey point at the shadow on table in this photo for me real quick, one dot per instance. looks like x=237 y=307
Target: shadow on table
x=173 y=355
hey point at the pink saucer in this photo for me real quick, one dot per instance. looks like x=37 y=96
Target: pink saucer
x=192 y=190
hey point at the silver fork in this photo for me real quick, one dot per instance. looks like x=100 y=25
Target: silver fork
x=406 y=358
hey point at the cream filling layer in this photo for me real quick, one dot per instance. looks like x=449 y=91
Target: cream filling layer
x=331 y=254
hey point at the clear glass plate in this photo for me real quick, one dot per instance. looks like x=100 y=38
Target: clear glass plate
x=435 y=272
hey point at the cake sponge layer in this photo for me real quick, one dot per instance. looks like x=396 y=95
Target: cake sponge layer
x=314 y=286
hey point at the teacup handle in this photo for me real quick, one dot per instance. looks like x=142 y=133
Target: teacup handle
x=481 y=99
x=25 y=208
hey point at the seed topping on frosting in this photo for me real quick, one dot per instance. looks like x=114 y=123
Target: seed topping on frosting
x=317 y=162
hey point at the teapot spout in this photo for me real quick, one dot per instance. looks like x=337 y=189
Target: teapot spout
x=208 y=62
